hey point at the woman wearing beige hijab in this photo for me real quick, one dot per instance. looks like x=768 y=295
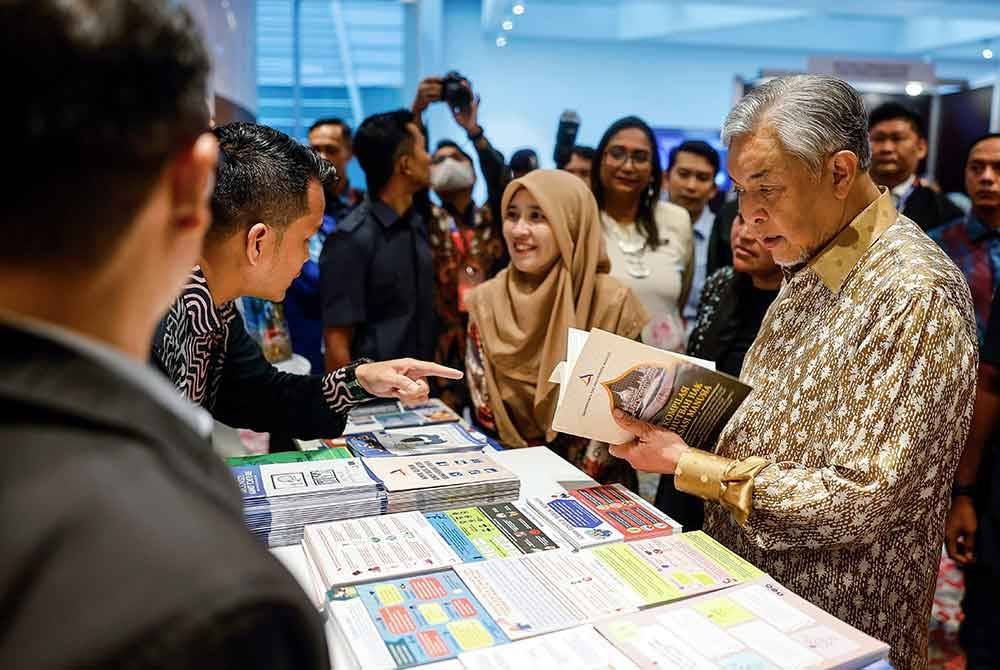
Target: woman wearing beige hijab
x=557 y=279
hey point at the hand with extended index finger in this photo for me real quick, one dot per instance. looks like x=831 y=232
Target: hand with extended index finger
x=402 y=378
x=653 y=449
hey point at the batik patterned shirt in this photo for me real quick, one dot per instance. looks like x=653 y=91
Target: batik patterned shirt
x=835 y=472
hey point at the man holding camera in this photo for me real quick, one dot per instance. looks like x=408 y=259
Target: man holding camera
x=465 y=238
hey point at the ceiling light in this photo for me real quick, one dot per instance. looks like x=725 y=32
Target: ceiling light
x=501 y=41
x=518 y=9
x=914 y=88
x=508 y=25
x=988 y=53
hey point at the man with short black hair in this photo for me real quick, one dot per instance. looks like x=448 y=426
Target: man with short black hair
x=690 y=181
x=376 y=270
x=898 y=144
x=267 y=204
x=580 y=163
x=973 y=241
x=118 y=519
x=331 y=139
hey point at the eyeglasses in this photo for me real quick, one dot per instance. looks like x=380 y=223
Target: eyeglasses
x=620 y=155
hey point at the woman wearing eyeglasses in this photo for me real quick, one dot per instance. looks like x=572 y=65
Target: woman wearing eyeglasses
x=649 y=242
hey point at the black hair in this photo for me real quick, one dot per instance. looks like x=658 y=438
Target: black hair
x=981 y=138
x=101 y=96
x=584 y=152
x=648 y=197
x=449 y=143
x=698 y=148
x=263 y=176
x=345 y=130
x=379 y=142
x=891 y=111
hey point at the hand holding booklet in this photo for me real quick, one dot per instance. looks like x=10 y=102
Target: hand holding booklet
x=603 y=372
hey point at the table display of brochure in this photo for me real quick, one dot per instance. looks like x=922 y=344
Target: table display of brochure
x=384 y=414
x=603 y=372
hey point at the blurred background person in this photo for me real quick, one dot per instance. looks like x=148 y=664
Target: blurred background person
x=580 y=163
x=522 y=162
x=558 y=279
x=732 y=308
x=690 y=182
x=376 y=270
x=899 y=143
x=649 y=242
x=973 y=241
x=465 y=238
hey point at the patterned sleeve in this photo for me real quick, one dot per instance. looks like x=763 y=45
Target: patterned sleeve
x=711 y=296
x=475 y=374
x=337 y=393
x=907 y=383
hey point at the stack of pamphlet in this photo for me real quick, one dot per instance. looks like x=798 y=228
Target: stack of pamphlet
x=443 y=481
x=381 y=415
x=490 y=531
x=417 y=441
x=598 y=515
x=280 y=496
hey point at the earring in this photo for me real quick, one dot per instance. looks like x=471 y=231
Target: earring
x=649 y=191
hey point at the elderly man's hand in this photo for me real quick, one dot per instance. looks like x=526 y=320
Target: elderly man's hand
x=403 y=378
x=653 y=449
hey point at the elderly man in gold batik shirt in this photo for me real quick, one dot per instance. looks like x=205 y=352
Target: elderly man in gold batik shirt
x=834 y=475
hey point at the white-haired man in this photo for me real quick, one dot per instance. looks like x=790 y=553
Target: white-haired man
x=834 y=474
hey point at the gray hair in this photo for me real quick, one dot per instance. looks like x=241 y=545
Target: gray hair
x=813 y=116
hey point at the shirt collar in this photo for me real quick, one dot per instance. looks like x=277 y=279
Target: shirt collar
x=842 y=254
x=204 y=316
x=144 y=376
x=383 y=213
x=977 y=230
x=903 y=189
x=703 y=226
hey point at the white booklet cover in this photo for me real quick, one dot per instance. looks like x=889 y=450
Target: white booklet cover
x=580 y=648
x=604 y=372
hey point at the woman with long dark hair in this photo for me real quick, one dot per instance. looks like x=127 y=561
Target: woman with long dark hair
x=649 y=242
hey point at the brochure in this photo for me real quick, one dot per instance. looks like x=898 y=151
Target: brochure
x=444 y=438
x=604 y=372
x=580 y=648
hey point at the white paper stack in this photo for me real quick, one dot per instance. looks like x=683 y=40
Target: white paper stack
x=443 y=481
x=279 y=499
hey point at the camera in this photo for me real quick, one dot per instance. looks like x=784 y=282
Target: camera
x=454 y=91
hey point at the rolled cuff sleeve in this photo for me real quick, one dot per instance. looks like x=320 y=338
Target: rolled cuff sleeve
x=719 y=479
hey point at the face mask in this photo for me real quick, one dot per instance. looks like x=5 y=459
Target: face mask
x=451 y=175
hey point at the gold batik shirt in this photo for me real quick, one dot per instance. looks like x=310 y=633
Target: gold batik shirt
x=835 y=473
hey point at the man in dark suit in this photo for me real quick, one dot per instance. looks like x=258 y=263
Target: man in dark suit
x=118 y=523
x=899 y=143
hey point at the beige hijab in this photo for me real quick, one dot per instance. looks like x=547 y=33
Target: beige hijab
x=523 y=320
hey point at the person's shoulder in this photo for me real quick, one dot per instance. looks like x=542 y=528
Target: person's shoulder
x=720 y=279
x=672 y=221
x=356 y=220
x=948 y=229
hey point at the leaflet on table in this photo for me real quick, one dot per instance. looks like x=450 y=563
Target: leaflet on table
x=318 y=453
x=576 y=522
x=428 y=618
x=282 y=479
x=604 y=371
x=490 y=531
x=755 y=625
x=540 y=593
x=395 y=415
x=404 y=473
x=580 y=648
x=444 y=438
x=391 y=545
x=626 y=512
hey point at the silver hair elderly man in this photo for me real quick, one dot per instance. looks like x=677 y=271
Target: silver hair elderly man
x=834 y=474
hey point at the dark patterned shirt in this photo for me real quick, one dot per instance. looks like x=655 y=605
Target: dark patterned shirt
x=206 y=352
x=975 y=249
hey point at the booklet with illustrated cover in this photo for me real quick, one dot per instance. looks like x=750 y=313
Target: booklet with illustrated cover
x=604 y=372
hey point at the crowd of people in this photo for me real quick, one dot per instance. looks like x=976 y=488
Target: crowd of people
x=856 y=300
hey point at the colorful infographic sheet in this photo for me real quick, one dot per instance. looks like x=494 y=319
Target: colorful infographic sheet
x=428 y=618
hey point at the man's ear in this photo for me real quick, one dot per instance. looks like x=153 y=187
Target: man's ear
x=256 y=241
x=843 y=168
x=921 y=148
x=192 y=180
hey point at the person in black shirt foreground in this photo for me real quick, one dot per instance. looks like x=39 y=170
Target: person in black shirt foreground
x=267 y=204
x=972 y=528
x=119 y=525
x=732 y=307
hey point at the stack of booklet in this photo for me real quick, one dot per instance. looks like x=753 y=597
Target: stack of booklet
x=443 y=481
x=417 y=441
x=384 y=414
x=284 y=492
